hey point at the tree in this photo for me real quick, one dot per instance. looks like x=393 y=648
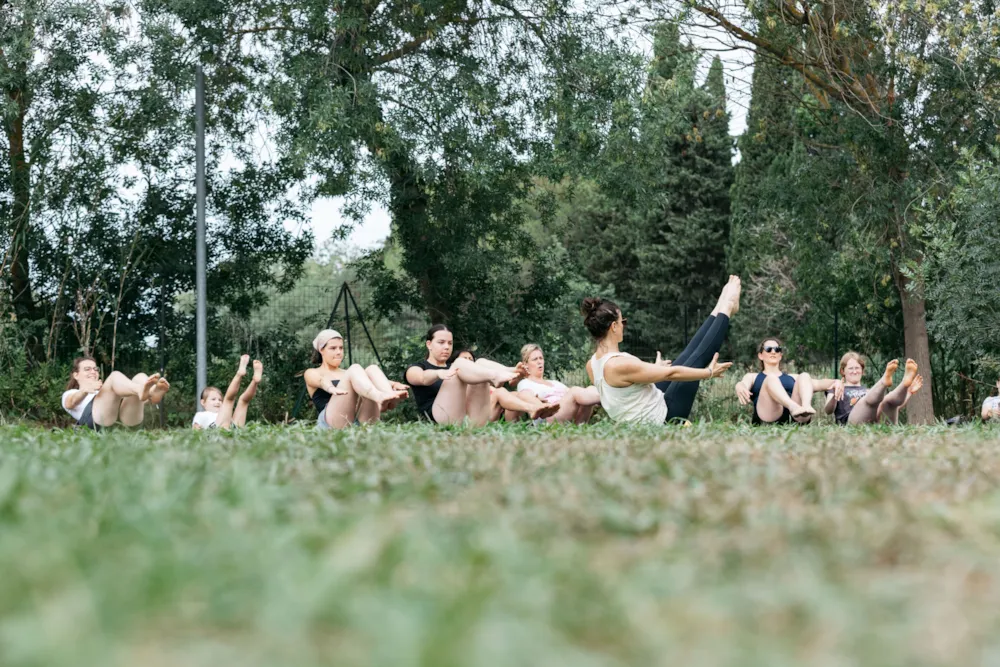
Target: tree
x=688 y=172
x=99 y=187
x=905 y=85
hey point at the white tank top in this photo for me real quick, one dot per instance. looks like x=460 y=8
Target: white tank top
x=640 y=403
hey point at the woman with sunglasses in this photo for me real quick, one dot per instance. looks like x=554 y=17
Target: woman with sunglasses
x=779 y=397
x=860 y=405
x=634 y=391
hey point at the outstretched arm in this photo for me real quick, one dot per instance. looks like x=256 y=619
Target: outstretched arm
x=315 y=380
x=623 y=371
x=421 y=378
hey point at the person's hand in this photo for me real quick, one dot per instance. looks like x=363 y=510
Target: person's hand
x=660 y=361
x=717 y=368
x=399 y=386
x=91 y=386
x=838 y=389
x=337 y=390
x=447 y=373
x=743 y=393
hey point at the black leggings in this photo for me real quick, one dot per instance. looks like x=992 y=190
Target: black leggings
x=679 y=396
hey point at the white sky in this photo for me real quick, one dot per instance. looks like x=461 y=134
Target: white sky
x=738 y=66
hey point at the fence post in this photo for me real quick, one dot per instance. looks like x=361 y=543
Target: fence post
x=347 y=320
x=162 y=345
x=200 y=251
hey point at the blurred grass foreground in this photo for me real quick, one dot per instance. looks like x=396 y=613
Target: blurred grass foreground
x=513 y=546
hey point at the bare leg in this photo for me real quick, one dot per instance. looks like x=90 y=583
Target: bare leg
x=159 y=390
x=577 y=405
x=587 y=399
x=240 y=414
x=467 y=394
x=342 y=408
x=502 y=374
x=803 y=395
x=116 y=388
x=889 y=409
x=774 y=400
x=535 y=409
x=382 y=383
x=373 y=400
x=865 y=410
x=526 y=396
x=131 y=412
x=225 y=416
x=449 y=406
x=479 y=403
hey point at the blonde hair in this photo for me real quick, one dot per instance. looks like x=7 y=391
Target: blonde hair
x=528 y=349
x=851 y=356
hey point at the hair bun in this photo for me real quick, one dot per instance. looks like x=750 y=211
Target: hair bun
x=590 y=304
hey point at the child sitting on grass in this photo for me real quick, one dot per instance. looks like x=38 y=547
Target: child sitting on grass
x=225 y=411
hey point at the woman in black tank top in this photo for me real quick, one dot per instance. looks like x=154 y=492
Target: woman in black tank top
x=778 y=397
x=343 y=397
x=449 y=391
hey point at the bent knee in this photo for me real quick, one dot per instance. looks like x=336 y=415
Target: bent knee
x=372 y=368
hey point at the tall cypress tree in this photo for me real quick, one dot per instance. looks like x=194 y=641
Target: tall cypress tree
x=684 y=217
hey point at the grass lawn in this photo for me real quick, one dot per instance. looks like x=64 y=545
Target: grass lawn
x=507 y=546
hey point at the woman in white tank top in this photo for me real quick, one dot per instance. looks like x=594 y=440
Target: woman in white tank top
x=633 y=390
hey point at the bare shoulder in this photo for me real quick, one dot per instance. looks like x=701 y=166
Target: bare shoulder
x=748 y=378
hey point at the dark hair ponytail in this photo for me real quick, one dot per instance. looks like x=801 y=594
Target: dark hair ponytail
x=598 y=315
x=435 y=329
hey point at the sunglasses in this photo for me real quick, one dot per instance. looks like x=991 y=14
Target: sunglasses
x=776 y=349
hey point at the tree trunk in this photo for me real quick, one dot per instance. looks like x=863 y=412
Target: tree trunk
x=22 y=296
x=920 y=409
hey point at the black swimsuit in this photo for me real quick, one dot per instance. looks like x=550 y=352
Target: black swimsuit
x=787 y=382
x=321 y=397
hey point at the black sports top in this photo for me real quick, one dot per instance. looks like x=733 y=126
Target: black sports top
x=425 y=395
x=787 y=382
x=321 y=397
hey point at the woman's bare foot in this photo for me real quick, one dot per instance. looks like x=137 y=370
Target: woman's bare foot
x=386 y=400
x=159 y=391
x=147 y=387
x=544 y=411
x=500 y=378
x=911 y=373
x=803 y=414
x=258 y=371
x=724 y=297
x=399 y=395
x=735 y=289
x=890 y=370
x=244 y=360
